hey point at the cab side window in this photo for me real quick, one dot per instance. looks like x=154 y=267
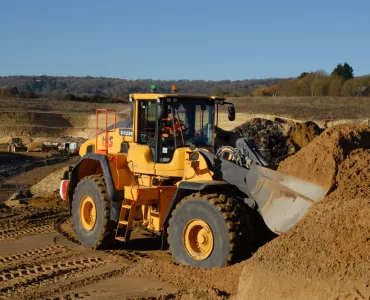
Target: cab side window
x=147 y=119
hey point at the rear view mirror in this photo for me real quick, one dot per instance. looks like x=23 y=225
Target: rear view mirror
x=231 y=113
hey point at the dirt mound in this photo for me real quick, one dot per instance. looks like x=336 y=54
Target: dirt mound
x=301 y=134
x=47 y=187
x=327 y=255
x=318 y=162
x=269 y=136
x=276 y=138
x=34 y=146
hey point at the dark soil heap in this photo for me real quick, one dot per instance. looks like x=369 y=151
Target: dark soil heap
x=326 y=255
x=275 y=139
x=269 y=136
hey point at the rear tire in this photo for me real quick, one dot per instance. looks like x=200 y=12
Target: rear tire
x=226 y=218
x=100 y=232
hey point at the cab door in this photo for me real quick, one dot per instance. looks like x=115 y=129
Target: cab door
x=141 y=155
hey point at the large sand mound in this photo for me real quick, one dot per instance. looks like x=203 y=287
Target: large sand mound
x=327 y=255
x=318 y=162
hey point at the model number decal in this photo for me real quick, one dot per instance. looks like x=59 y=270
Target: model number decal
x=125 y=132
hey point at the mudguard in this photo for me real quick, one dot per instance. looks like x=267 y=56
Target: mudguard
x=186 y=188
x=115 y=196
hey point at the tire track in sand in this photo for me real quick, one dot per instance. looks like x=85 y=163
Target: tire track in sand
x=30 y=254
x=13 y=234
x=69 y=296
x=17 y=277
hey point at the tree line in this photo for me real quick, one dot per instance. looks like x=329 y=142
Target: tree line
x=13 y=92
x=341 y=82
x=59 y=87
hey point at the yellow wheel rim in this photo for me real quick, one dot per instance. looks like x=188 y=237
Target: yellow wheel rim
x=88 y=213
x=198 y=239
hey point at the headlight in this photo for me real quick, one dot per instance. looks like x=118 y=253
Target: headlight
x=194 y=156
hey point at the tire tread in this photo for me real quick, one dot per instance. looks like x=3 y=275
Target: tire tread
x=105 y=237
x=235 y=216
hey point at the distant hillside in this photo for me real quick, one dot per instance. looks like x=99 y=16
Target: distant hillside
x=114 y=86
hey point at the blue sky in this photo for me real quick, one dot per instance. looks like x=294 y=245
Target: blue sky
x=186 y=39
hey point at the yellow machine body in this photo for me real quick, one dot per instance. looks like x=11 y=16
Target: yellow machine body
x=133 y=172
x=159 y=168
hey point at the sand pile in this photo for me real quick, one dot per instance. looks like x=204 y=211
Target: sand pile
x=49 y=186
x=318 y=162
x=326 y=255
x=301 y=134
x=34 y=146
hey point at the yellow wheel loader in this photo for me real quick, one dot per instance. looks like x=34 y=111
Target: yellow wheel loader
x=16 y=145
x=159 y=168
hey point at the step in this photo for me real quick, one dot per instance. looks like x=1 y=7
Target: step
x=126 y=206
x=123 y=222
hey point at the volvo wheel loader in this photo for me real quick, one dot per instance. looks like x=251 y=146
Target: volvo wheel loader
x=159 y=168
x=16 y=145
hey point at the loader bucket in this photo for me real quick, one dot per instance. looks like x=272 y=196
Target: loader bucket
x=282 y=200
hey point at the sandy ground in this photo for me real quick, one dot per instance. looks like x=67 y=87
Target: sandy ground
x=38 y=262
x=40 y=259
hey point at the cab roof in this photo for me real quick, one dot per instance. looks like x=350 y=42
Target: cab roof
x=179 y=96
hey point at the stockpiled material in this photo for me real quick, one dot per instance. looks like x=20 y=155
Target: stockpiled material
x=301 y=134
x=47 y=187
x=269 y=136
x=318 y=162
x=278 y=138
x=327 y=255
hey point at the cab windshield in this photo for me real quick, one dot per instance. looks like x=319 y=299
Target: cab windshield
x=165 y=126
x=188 y=122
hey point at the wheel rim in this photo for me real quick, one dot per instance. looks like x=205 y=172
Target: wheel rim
x=198 y=239
x=88 y=213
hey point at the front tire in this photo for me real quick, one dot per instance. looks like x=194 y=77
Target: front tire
x=208 y=231
x=91 y=213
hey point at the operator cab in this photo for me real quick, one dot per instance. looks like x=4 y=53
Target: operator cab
x=16 y=140
x=171 y=121
x=167 y=124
